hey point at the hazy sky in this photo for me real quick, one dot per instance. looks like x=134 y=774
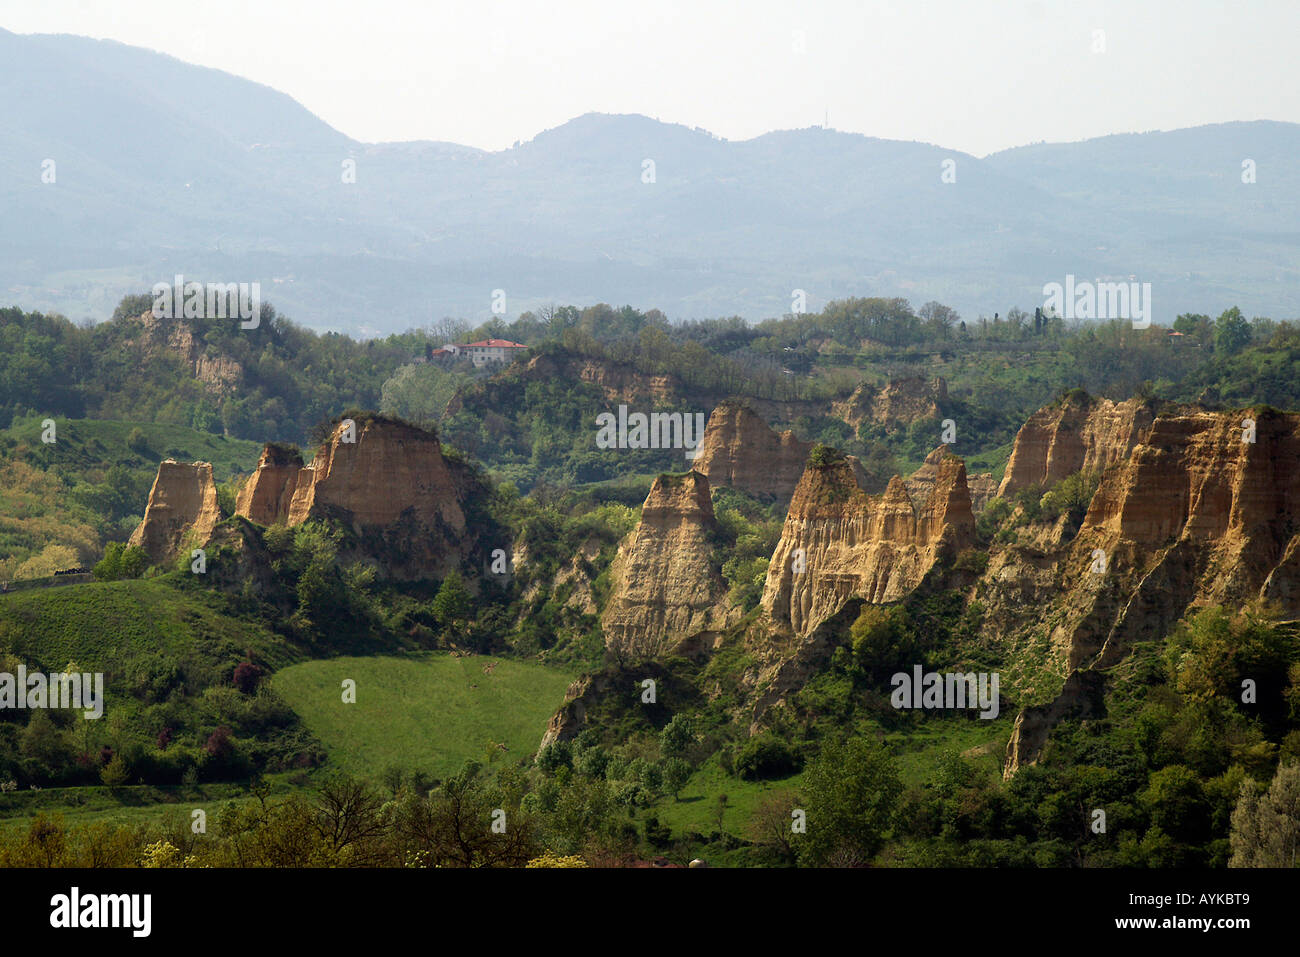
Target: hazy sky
x=967 y=75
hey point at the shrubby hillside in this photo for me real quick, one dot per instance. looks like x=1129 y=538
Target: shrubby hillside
x=564 y=565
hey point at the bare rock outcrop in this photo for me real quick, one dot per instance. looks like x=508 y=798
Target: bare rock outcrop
x=897 y=405
x=571 y=716
x=1078 y=433
x=390 y=484
x=982 y=486
x=183 y=498
x=1080 y=697
x=838 y=542
x=667 y=588
x=1194 y=516
x=983 y=489
x=390 y=472
x=1199 y=496
x=573 y=578
x=266 y=496
x=219 y=374
x=740 y=450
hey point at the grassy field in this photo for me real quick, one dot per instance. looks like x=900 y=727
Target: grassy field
x=129 y=806
x=104 y=625
x=88 y=445
x=430 y=712
x=61 y=501
x=917 y=751
x=920 y=749
x=696 y=807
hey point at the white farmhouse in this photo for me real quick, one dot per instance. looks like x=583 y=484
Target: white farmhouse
x=490 y=350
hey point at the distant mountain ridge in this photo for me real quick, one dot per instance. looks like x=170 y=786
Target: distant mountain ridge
x=164 y=167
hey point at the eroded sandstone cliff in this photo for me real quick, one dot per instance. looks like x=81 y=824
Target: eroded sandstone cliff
x=183 y=498
x=667 y=586
x=897 y=405
x=840 y=548
x=982 y=486
x=390 y=472
x=175 y=337
x=740 y=450
x=391 y=485
x=1078 y=433
x=1195 y=515
x=266 y=496
x=838 y=542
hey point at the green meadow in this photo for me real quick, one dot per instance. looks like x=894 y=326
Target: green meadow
x=429 y=712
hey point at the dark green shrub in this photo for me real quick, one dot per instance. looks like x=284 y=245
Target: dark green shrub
x=765 y=757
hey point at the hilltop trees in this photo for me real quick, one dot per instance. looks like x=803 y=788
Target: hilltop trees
x=1232 y=332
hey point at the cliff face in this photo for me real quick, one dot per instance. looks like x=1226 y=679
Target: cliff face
x=266 y=496
x=983 y=489
x=897 y=405
x=666 y=587
x=1218 y=512
x=841 y=548
x=982 y=486
x=569 y=719
x=1077 y=434
x=739 y=450
x=392 y=471
x=1194 y=516
x=219 y=374
x=183 y=497
x=852 y=545
x=392 y=486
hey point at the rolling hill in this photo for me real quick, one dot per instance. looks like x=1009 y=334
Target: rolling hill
x=163 y=168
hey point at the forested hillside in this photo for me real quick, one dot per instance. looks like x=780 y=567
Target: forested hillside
x=946 y=480
x=280 y=381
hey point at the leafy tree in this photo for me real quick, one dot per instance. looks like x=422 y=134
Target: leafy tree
x=649 y=774
x=823 y=456
x=1210 y=655
x=765 y=756
x=851 y=793
x=1197 y=325
x=1070 y=496
x=1266 y=828
x=1175 y=801
x=227 y=497
x=675 y=775
x=219 y=744
x=556 y=755
x=939 y=319
x=883 y=640
x=115 y=772
x=247 y=675
x=1231 y=332
x=677 y=736
x=120 y=561
x=453 y=602
x=454 y=824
